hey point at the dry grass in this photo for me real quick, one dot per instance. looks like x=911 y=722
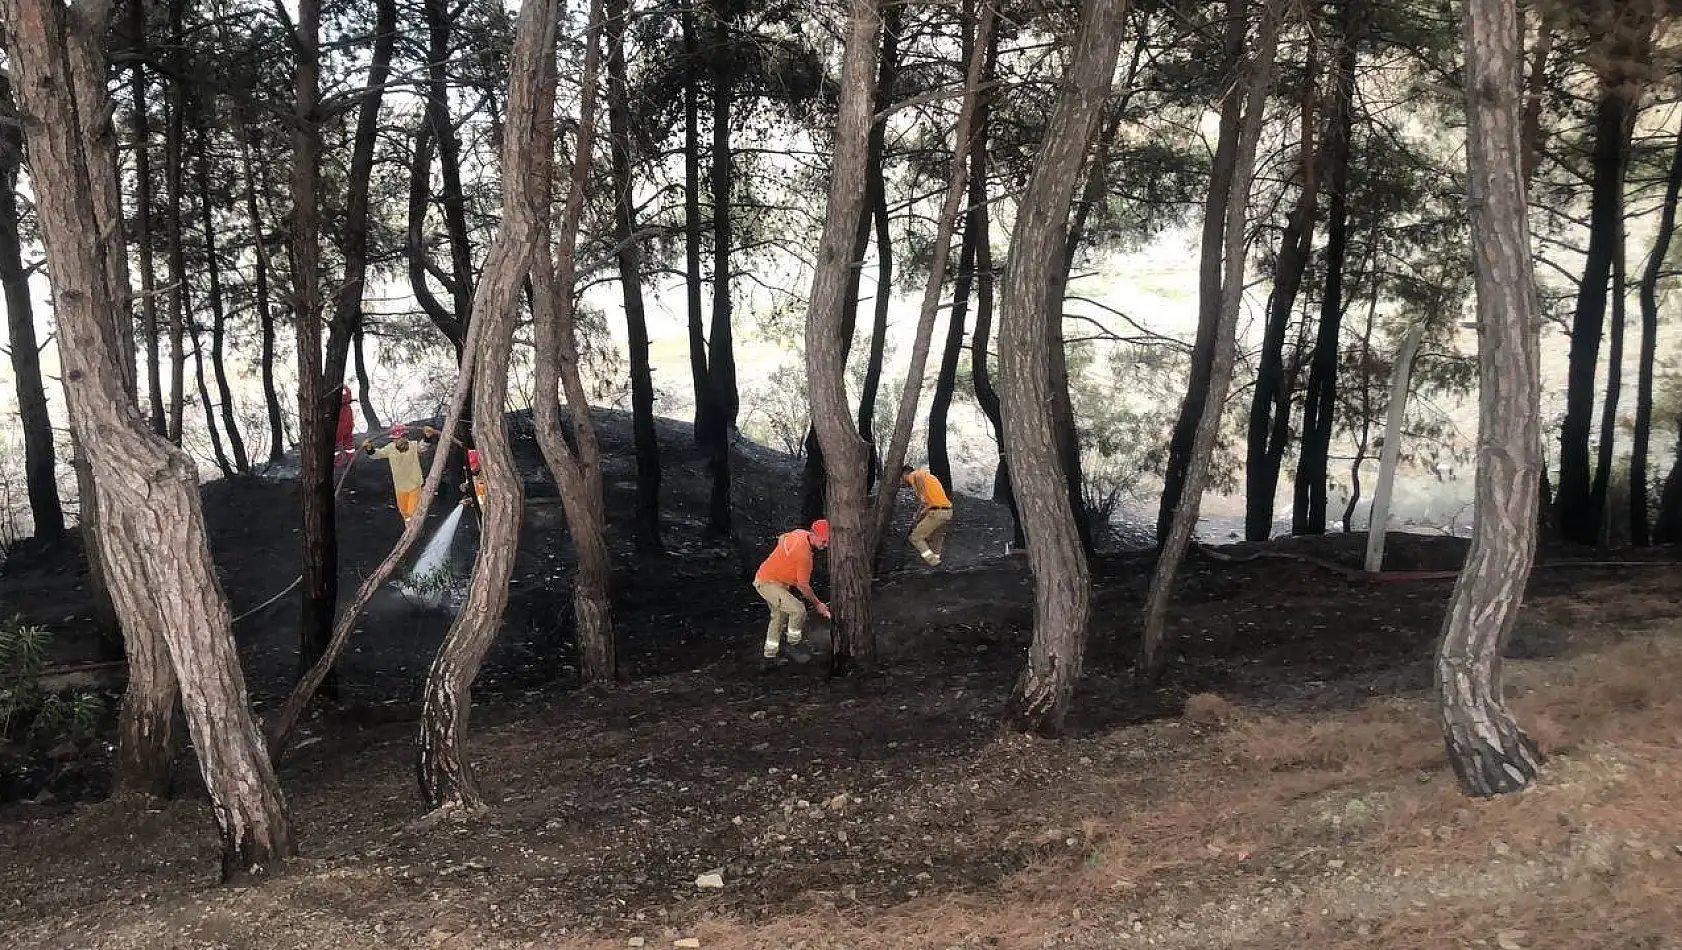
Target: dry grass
x=1588 y=858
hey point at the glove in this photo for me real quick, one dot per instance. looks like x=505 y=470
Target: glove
x=429 y=432
x=367 y=443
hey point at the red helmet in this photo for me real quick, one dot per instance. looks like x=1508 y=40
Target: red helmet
x=820 y=528
x=344 y=395
x=473 y=459
x=399 y=430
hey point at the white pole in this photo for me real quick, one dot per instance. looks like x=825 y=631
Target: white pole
x=1380 y=517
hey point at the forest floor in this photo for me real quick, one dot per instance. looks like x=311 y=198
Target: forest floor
x=1282 y=787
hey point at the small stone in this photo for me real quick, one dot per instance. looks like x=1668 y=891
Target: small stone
x=1510 y=940
x=837 y=803
x=1501 y=849
x=687 y=942
x=1335 y=864
x=712 y=880
x=634 y=942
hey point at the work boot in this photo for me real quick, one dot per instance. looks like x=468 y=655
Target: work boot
x=931 y=558
x=793 y=637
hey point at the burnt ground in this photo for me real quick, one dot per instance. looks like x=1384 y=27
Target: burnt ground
x=818 y=800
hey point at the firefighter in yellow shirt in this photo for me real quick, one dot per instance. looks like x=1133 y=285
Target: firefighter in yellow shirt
x=404 y=456
x=928 y=534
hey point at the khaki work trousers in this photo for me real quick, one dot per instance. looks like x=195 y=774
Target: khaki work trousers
x=928 y=535
x=786 y=611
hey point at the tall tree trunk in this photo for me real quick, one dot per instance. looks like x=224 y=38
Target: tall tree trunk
x=1639 y=514
x=853 y=642
x=364 y=382
x=575 y=456
x=446 y=779
x=1579 y=516
x=1028 y=368
x=415 y=250
x=143 y=214
x=218 y=308
x=700 y=374
x=440 y=22
x=265 y=309
x=152 y=531
x=1667 y=526
x=978 y=219
x=45 y=510
x=1252 y=86
x=319 y=590
x=876 y=196
x=174 y=131
x=1602 y=488
x=1319 y=411
x=630 y=283
x=1270 y=402
x=946 y=381
x=939 y=258
x=721 y=352
x=1208 y=282
x=1489 y=752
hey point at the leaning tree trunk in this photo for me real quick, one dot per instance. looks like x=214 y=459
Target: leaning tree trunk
x=1489 y=752
x=1038 y=249
x=446 y=779
x=45 y=509
x=853 y=643
x=1319 y=409
x=1253 y=87
x=153 y=531
x=630 y=283
x=218 y=312
x=1639 y=515
x=575 y=458
x=1181 y=441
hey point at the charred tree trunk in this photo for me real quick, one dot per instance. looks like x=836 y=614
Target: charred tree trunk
x=721 y=348
x=853 y=642
x=210 y=428
x=179 y=313
x=700 y=375
x=152 y=533
x=1489 y=752
x=1270 y=403
x=218 y=306
x=446 y=778
x=1639 y=514
x=45 y=509
x=1208 y=281
x=141 y=131
x=1579 y=516
x=1029 y=370
x=265 y=308
x=876 y=195
x=1602 y=488
x=946 y=381
x=440 y=22
x=575 y=456
x=630 y=282
x=1319 y=411
x=1229 y=287
x=364 y=383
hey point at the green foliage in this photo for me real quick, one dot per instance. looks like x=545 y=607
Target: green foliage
x=27 y=709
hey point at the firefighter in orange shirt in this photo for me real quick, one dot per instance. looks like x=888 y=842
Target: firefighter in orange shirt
x=928 y=533
x=786 y=570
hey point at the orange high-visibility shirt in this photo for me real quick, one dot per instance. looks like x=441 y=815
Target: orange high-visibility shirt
x=929 y=490
x=790 y=561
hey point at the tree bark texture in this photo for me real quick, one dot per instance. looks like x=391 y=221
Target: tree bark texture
x=152 y=530
x=45 y=509
x=853 y=642
x=1639 y=514
x=1489 y=752
x=141 y=132
x=446 y=777
x=1253 y=86
x=174 y=127
x=1028 y=369
x=576 y=461
x=1319 y=410
x=1600 y=491
x=646 y=439
x=876 y=198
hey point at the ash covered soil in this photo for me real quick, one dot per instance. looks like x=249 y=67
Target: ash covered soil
x=883 y=810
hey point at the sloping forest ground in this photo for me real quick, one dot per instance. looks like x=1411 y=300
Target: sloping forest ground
x=1284 y=786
